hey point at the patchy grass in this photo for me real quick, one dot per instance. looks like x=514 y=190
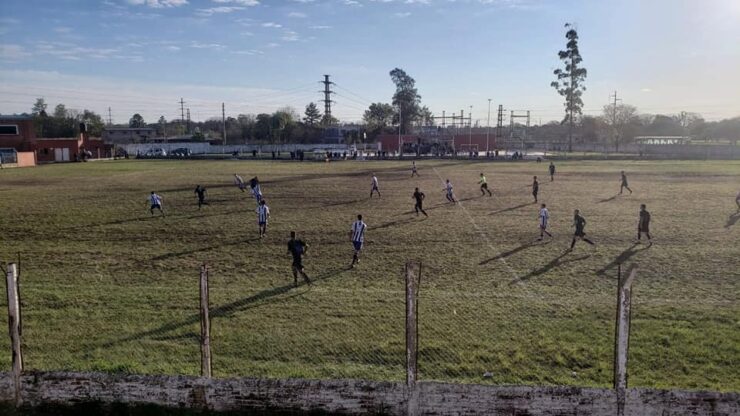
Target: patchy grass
x=107 y=287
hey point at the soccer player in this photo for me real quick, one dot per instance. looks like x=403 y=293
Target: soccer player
x=552 y=171
x=535 y=188
x=580 y=223
x=200 y=191
x=254 y=185
x=156 y=203
x=450 y=196
x=413 y=169
x=419 y=197
x=297 y=248
x=263 y=214
x=624 y=184
x=643 y=224
x=544 y=217
x=484 y=186
x=357 y=235
x=375 y=186
x=239 y=182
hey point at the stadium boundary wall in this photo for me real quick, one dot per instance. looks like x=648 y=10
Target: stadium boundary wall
x=352 y=396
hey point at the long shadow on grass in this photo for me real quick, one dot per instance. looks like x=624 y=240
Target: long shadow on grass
x=556 y=262
x=507 y=253
x=514 y=208
x=732 y=219
x=199 y=250
x=393 y=223
x=608 y=199
x=223 y=311
x=621 y=258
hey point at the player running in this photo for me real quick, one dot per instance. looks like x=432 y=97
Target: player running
x=643 y=224
x=200 y=192
x=413 y=169
x=263 y=214
x=484 y=186
x=357 y=235
x=544 y=217
x=552 y=171
x=375 y=186
x=239 y=182
x=450 y=195
x=254 y=185
x=297 y=248
x=580 y=223
x=156 y=203
x=624 y=184
x=535 y=188
x=419 y=197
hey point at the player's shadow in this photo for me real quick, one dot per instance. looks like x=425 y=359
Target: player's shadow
x=258 y=299
x=622 y=257
x=202 y=249
x=393 y=223
x=554 y=263
x=339 y=203
x=514 y=208
x=732 y=219
x=611 y=198
x=507 y=253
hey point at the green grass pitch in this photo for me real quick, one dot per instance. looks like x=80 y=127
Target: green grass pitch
x=107 y=287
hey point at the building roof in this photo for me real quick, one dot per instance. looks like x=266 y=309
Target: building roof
x=15 y=117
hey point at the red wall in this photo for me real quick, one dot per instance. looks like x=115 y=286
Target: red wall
x=25 y=139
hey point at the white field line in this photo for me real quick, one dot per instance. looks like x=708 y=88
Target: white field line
x=482 y=232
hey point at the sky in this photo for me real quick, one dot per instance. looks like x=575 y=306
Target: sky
x=142 y=56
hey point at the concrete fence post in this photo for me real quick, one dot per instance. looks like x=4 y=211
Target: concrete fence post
x=14 y=328
x=205 y=325
x=413 y=278
x=622 y=337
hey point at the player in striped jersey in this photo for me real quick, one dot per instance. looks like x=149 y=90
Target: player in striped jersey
x=544 y=218
x=239 y=182
x=156 y=203
x=263 y=214
x=580 y=223
x=357 y=235
x=375 y=186
x=450 y=195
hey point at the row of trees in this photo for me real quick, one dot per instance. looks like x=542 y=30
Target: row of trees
x=63 y=121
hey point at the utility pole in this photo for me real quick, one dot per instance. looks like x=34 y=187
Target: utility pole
x=327 y=97
x=182 y=110
x=488 y=125
x=110 y=119
x=470 y=127
x=188 y=121
x=164 y=129
x=223 y=120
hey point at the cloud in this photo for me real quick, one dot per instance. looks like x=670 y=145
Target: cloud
x=351 y=3
x=158 y=4
x=247 y=3
x=272 y=24
x=218 y=10
x=298 y=15
x=402 y=15
x=319 y=27
x=199 y=45
x=290 y=36
x=173 y=48
x=12 y=53
x=646 y=90
x=63 y=29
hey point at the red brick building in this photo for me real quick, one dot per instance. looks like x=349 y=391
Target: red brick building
x=17 y=132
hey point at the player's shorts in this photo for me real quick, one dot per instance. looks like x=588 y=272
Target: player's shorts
x=418 y=205
x=543 y=225
x=242 y=186
x=579 y=233
x=624 y=183
x=375 y=188
x=484 y=186
x=297 y=263
x=156 y=206
x=645 y=229
x=357 y=245
x=262 y=222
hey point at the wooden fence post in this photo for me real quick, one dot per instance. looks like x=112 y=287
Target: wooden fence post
x=205 y=325
x=14 y=328
x=622 y=338
x=413 y=276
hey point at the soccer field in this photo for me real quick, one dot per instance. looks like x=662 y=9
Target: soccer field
x=107 y=287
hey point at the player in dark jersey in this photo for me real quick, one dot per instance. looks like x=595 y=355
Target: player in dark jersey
x=643 y=224
x=200 y=191
x=297 y=248
x=624 y=184
x=552 y=171
x=535 y=188
x=580 y=223
x=419 y=197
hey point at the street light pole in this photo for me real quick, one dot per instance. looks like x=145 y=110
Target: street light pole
x=488 y=125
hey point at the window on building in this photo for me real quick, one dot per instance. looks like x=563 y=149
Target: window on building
x=9 y=129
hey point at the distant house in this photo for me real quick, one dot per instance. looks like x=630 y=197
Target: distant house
x=17 y=132
x=123 y=135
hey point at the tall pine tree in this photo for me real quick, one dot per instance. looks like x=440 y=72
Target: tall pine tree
x=570 y=80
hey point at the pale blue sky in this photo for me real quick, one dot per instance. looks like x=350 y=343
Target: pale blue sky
x=663 y=56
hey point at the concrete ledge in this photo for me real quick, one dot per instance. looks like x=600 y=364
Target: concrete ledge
x=354 y=396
